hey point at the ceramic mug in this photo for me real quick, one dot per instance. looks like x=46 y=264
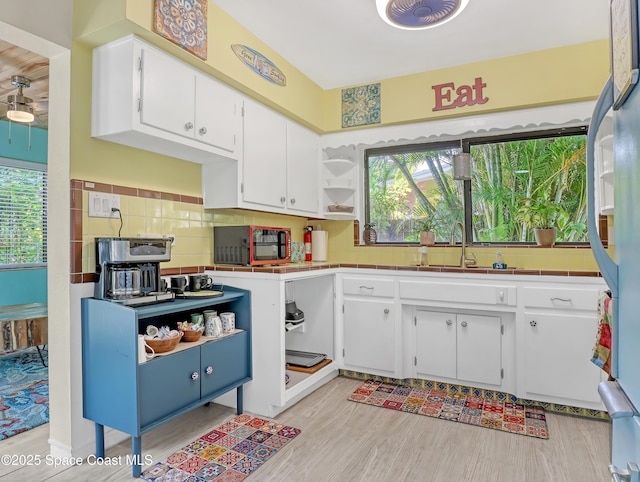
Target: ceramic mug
x=213 y=325
x=178 y=283
x=195 y=282
x=143 y=356
x=205 y=282
x=197 y=319
x=228 y=321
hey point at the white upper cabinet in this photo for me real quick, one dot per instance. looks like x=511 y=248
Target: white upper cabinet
x=218 y=115
x=278 y=171
x=145 y=98
x=265 y=156
x=302 y=169
x=167 y=93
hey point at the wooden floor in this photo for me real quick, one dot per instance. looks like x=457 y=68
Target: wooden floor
x=347 y=441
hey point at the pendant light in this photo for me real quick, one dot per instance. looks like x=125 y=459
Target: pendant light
x=462 y=165
x=419 y=14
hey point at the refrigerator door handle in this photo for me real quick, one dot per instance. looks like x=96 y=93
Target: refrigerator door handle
x=615 y=400
x=631 y=474
x=608 y=267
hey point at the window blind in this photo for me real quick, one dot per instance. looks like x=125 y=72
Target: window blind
x=23 y=214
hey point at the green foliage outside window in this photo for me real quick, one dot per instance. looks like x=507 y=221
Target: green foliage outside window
x=23 y=217
x=412 y=186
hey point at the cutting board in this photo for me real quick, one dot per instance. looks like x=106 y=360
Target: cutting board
x=313 y=369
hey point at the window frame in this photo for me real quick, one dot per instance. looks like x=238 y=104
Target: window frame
x=43 y=168
x=465 y=143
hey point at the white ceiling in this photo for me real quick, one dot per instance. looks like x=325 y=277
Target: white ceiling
x=338 y=43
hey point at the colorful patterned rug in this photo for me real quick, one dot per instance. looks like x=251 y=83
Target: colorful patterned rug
x=458 y=407
x=24 y=392
x=229 y=453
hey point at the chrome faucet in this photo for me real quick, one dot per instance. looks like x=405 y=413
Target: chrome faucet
x=464 y=261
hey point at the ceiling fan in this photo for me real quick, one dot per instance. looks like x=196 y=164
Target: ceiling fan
x=21 y=108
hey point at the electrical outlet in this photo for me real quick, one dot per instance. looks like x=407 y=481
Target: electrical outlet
x=101 y=205
x=173 y=243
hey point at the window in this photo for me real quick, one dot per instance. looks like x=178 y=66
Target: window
x=23 y=214
x=410 y=186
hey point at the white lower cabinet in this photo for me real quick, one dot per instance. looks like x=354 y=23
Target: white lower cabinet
x=369 y=335
x=558 y=348
x=462 y=347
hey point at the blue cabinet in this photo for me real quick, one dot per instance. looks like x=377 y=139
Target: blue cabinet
x=221 y=366
x=168 y=385
x=136 y=398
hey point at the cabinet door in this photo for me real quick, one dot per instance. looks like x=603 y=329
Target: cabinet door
x=224 y=363
x=558 y=351
x=217 y=117
x=264 y=153
x=167 y=384
x=435 y=344
x=369 y=334
x=302 y=169
x=167 y=94
x=479 y=353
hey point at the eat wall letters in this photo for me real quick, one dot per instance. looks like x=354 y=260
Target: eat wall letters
x=465 y=95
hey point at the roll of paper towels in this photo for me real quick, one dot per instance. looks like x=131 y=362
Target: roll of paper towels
x=319 y=241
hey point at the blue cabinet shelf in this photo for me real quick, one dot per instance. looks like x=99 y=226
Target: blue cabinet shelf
x=134 y=398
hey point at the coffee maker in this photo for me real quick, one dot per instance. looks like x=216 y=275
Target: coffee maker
x=128 y=270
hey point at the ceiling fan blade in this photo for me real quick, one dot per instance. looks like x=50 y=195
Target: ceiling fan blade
x=39 y=104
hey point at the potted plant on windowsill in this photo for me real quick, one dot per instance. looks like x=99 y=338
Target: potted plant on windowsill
x=427 y=235
x=541 y=215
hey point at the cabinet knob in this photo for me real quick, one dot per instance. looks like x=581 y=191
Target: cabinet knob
x=386 y=311
x=533 y=322
x=283 y=199
x=449 y=322
x=195 y=376
x=293 y=200
x=209 y=370
x=203 y=131
x=188 y=126
x=463 y=324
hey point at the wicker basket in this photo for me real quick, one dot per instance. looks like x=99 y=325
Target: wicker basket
x=162 y=345
x=192 y=335
x=337 y=208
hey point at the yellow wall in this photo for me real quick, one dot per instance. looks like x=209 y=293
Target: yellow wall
x=566 y=74
x=342 y=250
x=555 y=76
x=562 y=75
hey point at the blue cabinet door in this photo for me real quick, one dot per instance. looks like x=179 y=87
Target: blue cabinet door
x=167 y=384
x=225 y=362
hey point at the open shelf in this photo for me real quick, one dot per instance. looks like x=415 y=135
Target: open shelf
x=300 y=381
x=338 y=167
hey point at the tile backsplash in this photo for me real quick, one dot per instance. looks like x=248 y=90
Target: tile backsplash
x=146 y=212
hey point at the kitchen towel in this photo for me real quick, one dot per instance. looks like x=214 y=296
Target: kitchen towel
x=602 y=350
x=319 y=240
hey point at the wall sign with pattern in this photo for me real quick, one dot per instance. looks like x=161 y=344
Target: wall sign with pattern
x=183 y=22
x=361 y=105
x=259 y=64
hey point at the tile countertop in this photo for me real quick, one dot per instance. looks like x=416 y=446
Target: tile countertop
x=298 y=267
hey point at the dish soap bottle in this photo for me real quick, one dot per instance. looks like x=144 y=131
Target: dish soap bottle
x=424 y=260
x=499 y=263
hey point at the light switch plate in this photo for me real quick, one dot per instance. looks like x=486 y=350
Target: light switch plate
x=101 y=205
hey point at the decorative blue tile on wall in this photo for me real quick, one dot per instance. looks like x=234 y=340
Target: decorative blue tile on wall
x=361 y=105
